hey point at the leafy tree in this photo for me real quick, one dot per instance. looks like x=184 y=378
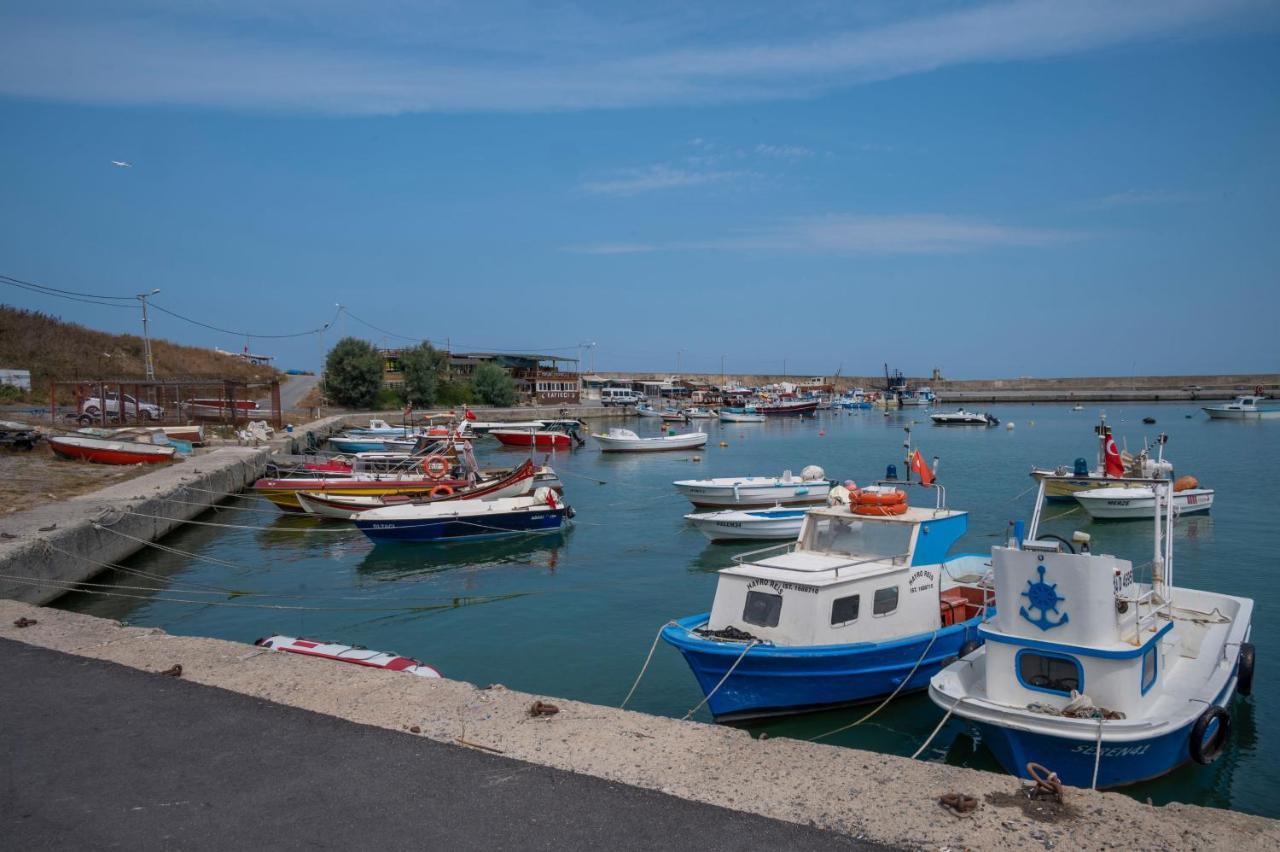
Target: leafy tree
x=422 y=366
x=353 y=373
x=494 y=385
x=456 y=393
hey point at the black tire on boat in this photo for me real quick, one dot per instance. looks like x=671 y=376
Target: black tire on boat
x=1206 y=753
x=969 y=647
x=1244 y=673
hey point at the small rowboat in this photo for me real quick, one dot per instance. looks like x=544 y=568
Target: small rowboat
x=740 y=417
x=759 y=524
x=353 y=654
x=1139 y=503
x=455 y=520
x=626 y=441
x=343 y=506
x=109 y=452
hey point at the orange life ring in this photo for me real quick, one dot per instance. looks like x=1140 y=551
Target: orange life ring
x=435 y=466
x=880 y=498
x=892 y=509
x=441 y=490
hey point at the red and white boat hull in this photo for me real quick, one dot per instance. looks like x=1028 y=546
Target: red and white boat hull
x=349 y=654
x=104 y=451
x=545 y=440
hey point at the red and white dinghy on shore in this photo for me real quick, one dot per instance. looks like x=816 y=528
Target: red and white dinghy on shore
x=105 y=451
x=348 y=654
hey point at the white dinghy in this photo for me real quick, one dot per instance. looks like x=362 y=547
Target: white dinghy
x=1139 y=503
x=751 y=525
x=625 y=441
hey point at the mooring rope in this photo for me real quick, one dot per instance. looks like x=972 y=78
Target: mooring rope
x=645 y=667
x=925 y=744
x=1097 y=756
x=753 y=643
x=892 y=695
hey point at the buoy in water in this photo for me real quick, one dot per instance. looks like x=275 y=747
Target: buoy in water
x=724 y=443
x=697 y=458
x=822 y=433
x=1009 y=425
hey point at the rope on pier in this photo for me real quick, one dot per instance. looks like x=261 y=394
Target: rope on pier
x=925 y=744
x=707 y=697
x=645 y=667
x=892 y=695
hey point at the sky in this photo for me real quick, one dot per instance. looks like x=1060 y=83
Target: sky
x=1013 y=188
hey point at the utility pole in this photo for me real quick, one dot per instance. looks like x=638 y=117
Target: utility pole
x=146 y=338
x=342 y=328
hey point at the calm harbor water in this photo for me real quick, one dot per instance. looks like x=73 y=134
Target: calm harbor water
x=574 y=614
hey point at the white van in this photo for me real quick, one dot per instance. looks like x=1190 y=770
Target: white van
x=620 y=396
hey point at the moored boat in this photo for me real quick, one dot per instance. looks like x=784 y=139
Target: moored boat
x=788 y=630
x=697 y=412
x=1095 y=676
x=342 y=506
x=787 y=407
x=548 y=435
x=353 y=654
x=105 y=451
x=740 y=416
x=540 y=512
x=625 y=441
x=1062 y=482
x=748 y=525
x=1138 y=502
x=1255 y=407
x=960 y=417
x=747 y=492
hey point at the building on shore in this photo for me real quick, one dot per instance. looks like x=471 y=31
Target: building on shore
x=540 y=379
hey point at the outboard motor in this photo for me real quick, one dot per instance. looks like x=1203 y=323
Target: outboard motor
x=1082 y=467
x=992 y=421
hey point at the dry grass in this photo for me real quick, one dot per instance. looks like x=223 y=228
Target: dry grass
x=54 y=350
x=33 y=478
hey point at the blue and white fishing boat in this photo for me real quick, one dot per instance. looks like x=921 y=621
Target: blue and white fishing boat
x=757 y=492
x=852 y=400
x=788 y=630
x=1094 y=675
x=751 y=525
x=357 y=444
x=456 y=520
x=381 y=428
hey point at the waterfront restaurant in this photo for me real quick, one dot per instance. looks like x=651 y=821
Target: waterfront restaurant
x=539 y=379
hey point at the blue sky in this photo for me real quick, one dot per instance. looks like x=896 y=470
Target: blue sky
x=992 y=188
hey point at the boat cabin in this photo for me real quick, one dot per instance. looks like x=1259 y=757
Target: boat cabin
x=1246 y=404
x=852 y=578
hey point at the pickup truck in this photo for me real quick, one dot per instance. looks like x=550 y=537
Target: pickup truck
x=93 y=406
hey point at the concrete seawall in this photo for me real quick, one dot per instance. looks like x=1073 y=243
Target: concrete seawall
x=44 y=549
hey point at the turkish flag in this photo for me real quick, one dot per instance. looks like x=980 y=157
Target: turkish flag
x=469 y=414
x=1114 y=464
x=922 y=470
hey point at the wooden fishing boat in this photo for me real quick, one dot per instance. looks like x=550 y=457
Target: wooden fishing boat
x=787 y=407
x=551 y=435
x=626 y=441
x=284 y=492
x=106 y=451
x=517 y=483
x=540 y=512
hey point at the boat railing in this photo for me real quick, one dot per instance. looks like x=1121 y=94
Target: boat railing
x=753 y=557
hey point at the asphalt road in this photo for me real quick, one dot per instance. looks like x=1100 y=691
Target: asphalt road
x=292 y=390
x=97 y=755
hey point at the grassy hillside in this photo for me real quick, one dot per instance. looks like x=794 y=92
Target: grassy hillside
x=54 y=350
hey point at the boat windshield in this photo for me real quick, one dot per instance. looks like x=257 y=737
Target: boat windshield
x=857 y=537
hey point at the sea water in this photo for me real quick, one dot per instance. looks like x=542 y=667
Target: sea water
x=574 y=614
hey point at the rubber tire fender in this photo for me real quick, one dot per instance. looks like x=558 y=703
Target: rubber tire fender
x=1219 y=741
x=1244 y=670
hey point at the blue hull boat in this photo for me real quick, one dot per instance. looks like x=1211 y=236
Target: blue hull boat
x=492 y=525
x=773 y=680
x=356 y=445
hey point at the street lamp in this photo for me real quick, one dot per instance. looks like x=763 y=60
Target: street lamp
x=342 y=328
x=146 y=338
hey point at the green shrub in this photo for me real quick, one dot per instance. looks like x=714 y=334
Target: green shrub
x=452 y=394
x=387 y=399
x=494 y=386
x=422 y=365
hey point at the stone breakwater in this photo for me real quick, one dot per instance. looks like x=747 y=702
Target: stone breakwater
x=885 y=798
x=48 y=547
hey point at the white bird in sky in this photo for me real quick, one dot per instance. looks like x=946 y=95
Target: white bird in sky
x=122 y=164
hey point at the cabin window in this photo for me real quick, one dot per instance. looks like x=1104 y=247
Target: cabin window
x=886 y=601
x=857 y=538
x=844 y=610
x=762 y=609
x=1150 y=666
x=1056 y=673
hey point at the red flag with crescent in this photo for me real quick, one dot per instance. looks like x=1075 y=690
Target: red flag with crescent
x=921 y=469
x=1111 y=457
x=469 y=414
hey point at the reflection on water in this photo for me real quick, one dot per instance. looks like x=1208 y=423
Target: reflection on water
x=585 y=604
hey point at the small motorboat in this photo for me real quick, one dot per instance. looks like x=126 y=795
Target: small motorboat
x=353 y=654
x=670 y=415
x=1104 y=680
x=644 y=409
x=787 y=632
x=458 y=520
x=342 y=506
x=697 y=412
x=787 y=407
x=1077 y=407
x=555 y=435
x=625 y=441
x=740 y=416
x=381 y=428
x=1255 y=407
x=753 y=524
x=1138 y=503
x=1062 y=482
x=356 y=444
x=758 y=492
x=960 y=417
x=104 y=451
x=1149 y=420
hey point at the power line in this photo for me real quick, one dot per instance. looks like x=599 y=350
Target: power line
x=58 y=295
x=11 y=280
x=242 y=333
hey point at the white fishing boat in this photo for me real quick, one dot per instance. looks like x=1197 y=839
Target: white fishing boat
x=756 y=492
x=1138 y=503
x=697 y=412
x=1077 y=407
x=753 y=524
x=1064 y=481
x=644 y=409
x=1256 y=407
x=960 y=417
x=741 y=417
x=625 y=441
x=1090 y=674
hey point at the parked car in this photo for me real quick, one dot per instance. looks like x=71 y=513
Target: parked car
x=620 y=396
x=93 y=406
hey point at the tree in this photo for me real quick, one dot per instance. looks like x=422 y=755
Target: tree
x=353 y=373
x=422 y=365
x=493 y=385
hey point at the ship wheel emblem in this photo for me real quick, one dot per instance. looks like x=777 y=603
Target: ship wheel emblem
x=1044 y=597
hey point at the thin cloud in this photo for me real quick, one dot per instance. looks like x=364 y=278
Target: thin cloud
x=785 y=152
x=326 y=57
x=1135 y=198
x=654 y=178
x=855 y=234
